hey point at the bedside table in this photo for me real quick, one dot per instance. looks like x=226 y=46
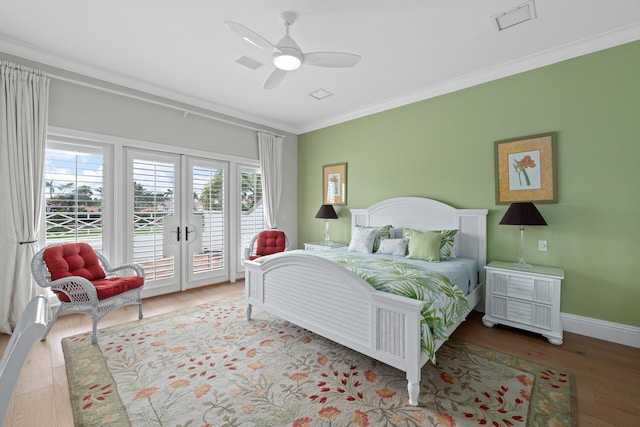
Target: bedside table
x=323 y=246
x=526 y=299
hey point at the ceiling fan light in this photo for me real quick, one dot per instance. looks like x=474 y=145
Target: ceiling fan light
x=287 y=61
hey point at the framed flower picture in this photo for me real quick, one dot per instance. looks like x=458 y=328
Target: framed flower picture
x=334 y=189
x=526 y=169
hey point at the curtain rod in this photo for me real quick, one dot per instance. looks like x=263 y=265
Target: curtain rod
x=185 y=112
x=21 y=67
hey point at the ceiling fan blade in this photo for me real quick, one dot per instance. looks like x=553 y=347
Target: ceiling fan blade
x=274 y=79
x=331 y=59
x=249 y=35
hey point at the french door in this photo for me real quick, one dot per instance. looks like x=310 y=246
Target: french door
x=177 y=221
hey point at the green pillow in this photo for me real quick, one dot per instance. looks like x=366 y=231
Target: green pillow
x=425 y=245
x=446 y=244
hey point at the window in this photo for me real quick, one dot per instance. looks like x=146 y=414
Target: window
x=73 y=194
x=252 y=207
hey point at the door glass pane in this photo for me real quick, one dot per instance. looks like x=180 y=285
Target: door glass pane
x=73 y=194
x=209 y=210
x=153 y=189
x=252 y=208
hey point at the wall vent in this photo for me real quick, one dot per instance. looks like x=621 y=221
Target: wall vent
x=249 y=62
x=320 y=94
x=512 y=17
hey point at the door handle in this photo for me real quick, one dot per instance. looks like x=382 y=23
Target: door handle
x=186 y=233
x=178 y=233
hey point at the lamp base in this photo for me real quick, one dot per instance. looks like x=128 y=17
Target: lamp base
x=326 y=231
x=521 y=265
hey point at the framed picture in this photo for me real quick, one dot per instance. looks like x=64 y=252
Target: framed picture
x=526 y=169
x=334 y=190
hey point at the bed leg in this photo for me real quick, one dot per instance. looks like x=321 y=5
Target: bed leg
x=248 y=312
x=414 y=391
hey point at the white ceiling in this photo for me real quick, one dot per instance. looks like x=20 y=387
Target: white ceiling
x=411 y=49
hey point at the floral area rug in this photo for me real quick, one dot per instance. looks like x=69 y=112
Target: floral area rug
x=209 y=366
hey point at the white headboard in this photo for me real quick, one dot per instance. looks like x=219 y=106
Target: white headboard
x=428 y=214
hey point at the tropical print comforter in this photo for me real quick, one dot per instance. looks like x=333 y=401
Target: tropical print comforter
x=444 y=304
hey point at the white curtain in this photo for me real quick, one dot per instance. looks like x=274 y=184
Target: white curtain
x=271 y=148
x=24 y=98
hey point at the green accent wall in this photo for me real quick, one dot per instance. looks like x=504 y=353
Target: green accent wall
x=443 y=148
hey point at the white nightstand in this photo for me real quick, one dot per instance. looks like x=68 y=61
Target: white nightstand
x=526 y=299
x=323 y=246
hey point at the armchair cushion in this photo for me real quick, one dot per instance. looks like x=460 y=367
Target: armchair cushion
x=111 y=286
x=73 y=259
x=269 y=242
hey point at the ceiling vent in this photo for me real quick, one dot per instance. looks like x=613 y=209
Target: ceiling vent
x=523 y=13
x=249 y=62
x=320 y=94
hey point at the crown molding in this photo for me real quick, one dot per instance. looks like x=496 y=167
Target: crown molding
x=572 y=50
x=35 y=54
x=562 y=53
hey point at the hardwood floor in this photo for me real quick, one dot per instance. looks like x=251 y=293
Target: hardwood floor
x=607 y=375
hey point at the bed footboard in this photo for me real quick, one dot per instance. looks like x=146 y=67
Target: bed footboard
x=329 y=300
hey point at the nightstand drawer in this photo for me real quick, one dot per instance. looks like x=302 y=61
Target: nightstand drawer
x=521 y=312
x=519 y=287
x=525 y=288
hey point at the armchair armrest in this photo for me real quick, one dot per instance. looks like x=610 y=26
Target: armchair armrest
x=76 y=288
x=121 y=270
x=125 y=270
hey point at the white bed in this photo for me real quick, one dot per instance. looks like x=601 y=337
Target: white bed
x=330 y=300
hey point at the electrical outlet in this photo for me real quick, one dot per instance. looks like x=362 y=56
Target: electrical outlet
x=542 y=245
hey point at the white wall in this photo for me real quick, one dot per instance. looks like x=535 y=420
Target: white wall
x=85 y=108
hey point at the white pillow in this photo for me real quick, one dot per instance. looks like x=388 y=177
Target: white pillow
x=362 y=239
x=392 y=247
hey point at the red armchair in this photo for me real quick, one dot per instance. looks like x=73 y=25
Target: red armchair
x=84 y=282
x=266 y=242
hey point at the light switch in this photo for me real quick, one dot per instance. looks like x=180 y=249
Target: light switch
x=542 y=245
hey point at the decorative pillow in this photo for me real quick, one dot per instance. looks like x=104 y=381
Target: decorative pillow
x=446 y=247
x=382 y=233
x=446 y=244
x=362 y=239
x=392 y=247
x=424 y=245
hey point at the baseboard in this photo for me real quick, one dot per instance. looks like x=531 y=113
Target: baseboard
x=601 y=329
x=595 y=328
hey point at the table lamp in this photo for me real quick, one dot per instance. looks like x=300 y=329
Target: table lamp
x=522 y=213
x=326 y=212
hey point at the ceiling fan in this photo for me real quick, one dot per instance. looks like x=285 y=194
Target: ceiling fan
x=287 y=55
